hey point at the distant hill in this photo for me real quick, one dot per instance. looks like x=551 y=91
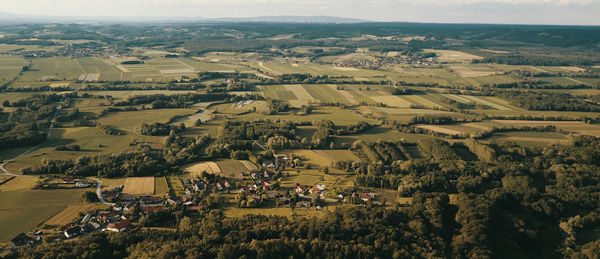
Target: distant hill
x=292 y=19
x=16 y=18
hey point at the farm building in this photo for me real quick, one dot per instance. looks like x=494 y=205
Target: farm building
x=23 y=240
x=119 y=227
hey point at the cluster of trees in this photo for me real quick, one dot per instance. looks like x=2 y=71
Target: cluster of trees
x=545 y=101
x=160 y=129
x=180 y=150
x=158 y=101
x=143 y=162
x=438 y=150
x=488 y=133
x=109 y=130
x=384 y=151
x=323 y=136
x=345 y=233
x=536 y=60
x=69 y=147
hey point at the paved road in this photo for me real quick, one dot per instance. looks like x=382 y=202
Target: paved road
x=99 y=193
x=261 y=146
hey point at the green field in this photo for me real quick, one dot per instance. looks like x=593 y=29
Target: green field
x=340 y=117
x=160 y=185
x=23 y=210
x=50 y=70
x=231 y=168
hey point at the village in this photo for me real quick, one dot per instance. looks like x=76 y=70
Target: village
x=259 y=188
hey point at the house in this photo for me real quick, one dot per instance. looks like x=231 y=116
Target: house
x=271 y=196
x=88 y=228
x=119 y=227
x=68 y=180
x=150 y=200
x=72 y=232
x=129 y=206
x=64 y=227
x=198 y=187
x=95 y=225
x=23 y=240
x=303 y=204
x=198 y=207
x=129 y=197
x=268 y=164
x=153 y=209
x=367 y=196
x=301 y=188
x=266 y=185
x=82 y=184
x=315 y=190
x=284 y=200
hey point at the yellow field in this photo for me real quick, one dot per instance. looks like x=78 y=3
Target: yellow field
x=71 y=212
x=452 y=56
x=346 y=94
x=392 y=100
x=139 y=185
x=108 y=184
x=197 y=168
x=249 y=165
x=19 y=183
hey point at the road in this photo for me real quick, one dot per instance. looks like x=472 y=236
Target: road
x=261 y=146
x=99 y=193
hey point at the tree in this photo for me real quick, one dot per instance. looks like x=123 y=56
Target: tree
x=185 y=224
x=90 y=197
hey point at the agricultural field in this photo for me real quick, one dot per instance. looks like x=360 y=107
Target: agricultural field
x=160 y=185
x=72 y=212
x=139 y=186
x=50 y=71
x=24 y=209
x=232 y=168
x=197 y=168
x=535 y=139
x=381 y=128
x=340 y=117
x=19 y=183
x=451 y=56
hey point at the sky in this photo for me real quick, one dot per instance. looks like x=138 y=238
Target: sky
x=568 y=12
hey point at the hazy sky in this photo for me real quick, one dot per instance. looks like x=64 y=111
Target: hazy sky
x=584 y=12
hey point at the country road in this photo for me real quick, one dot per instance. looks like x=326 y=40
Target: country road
x=99 y=193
